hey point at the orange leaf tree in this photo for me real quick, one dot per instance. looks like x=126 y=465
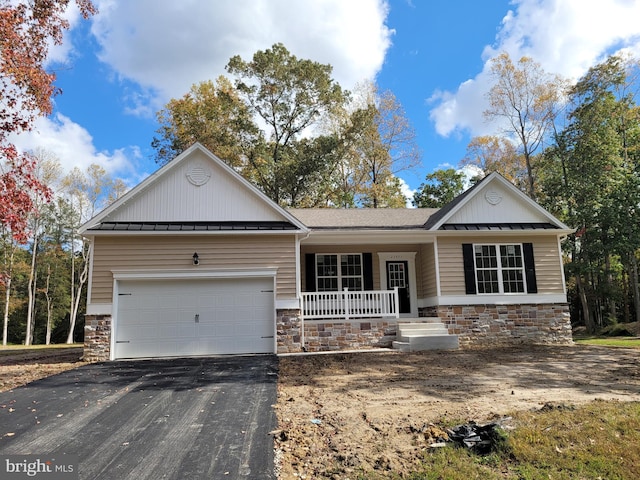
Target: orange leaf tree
x=27 y=29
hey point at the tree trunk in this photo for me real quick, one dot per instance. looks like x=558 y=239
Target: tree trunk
x=634 y=285
x=72 y=319
x=47 y=340
x=586 y=311
x=611 y=299
x=28 y=339
x=82 y=279
x=7 y=297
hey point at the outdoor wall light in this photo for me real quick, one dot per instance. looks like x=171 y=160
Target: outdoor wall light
x=196 y=259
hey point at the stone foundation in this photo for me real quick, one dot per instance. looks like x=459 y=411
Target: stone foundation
x=475 y=325
x=288 y=332
x=327 y=335
x=486 y=325
x=97 y=338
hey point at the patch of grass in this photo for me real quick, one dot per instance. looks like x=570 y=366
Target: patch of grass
x=627 y=342
x=598 y=440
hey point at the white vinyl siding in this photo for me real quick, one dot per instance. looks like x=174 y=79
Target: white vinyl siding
x=546 y=254
x=216 y=252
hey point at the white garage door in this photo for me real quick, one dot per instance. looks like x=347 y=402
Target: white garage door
x=165 y=318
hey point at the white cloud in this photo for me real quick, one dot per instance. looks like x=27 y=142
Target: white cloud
x=407 y=191
x=60 y=54
x=565 y=36
x=73 y=146
x=157 y=49
x=166 y=46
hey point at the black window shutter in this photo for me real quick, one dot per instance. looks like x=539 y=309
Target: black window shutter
x=529 y=268
x=367 y=270
x=469 y=269
x=310 y=272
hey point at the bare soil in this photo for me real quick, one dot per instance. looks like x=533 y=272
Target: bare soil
x=20 y=367
x=345 y=413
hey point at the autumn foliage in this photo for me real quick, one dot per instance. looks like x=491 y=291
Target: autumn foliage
x=27 y=28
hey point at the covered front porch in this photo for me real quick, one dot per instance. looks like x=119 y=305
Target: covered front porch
x=356 y=292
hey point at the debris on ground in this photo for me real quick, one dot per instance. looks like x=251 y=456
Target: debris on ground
x=549 y=407
x=481 y=439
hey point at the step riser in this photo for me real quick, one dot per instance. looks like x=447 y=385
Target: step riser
x=428 y=333
x=419 y=326
x=442 y=342
x=419 y=320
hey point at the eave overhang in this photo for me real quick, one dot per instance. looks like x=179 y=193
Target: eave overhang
x=367 y=237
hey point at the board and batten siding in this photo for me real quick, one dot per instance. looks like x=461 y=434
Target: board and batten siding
x=175 y=252
x=374 y=250
x=545 y=252
x=173 y=198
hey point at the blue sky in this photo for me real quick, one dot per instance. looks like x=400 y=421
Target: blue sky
x=121 y=67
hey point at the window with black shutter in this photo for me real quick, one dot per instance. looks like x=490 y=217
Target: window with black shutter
x=499 y=268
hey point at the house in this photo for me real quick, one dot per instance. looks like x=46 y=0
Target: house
x=196 y=261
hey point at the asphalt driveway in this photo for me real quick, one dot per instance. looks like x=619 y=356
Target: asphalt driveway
x=189 y=418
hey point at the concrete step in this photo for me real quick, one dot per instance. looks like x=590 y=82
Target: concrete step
x=403 y=347
x=429 y=333
x=431 y=342
x=420 y=320
x=405 y=331
x=425 y=327
x=419 y=326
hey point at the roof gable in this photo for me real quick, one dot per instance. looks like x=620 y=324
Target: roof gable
x=195 y=187
x=493 y=201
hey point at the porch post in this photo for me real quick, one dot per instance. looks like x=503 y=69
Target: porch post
x=396 y=301
x=346 y=303
x=302 y=310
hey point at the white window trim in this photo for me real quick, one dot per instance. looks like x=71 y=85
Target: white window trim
x=339 y=270
x=500 y=268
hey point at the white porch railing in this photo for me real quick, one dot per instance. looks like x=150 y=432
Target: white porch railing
x=346 y=304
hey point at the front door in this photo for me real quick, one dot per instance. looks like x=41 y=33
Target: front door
x=398 y=276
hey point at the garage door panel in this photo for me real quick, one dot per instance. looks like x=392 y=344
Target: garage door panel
x=158 y=318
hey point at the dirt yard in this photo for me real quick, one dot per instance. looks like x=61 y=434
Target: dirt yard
x=21 y=367
x=344 y=412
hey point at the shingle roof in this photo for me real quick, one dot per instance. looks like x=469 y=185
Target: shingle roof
x=374 y=218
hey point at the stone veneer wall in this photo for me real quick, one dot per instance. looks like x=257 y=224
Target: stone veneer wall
x=482 y=325
x=322 y=336
x=97 y=338
x=475 y=325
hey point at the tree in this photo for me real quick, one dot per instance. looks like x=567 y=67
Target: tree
x=9 y=246
x=440 y=188
x=290 y=96
x=497 y=154
x=592 y=179
x=526 y=98
x=48 y=172
x=379 y=143
x=212 y=114
x=27 y=29
x=87 y=192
